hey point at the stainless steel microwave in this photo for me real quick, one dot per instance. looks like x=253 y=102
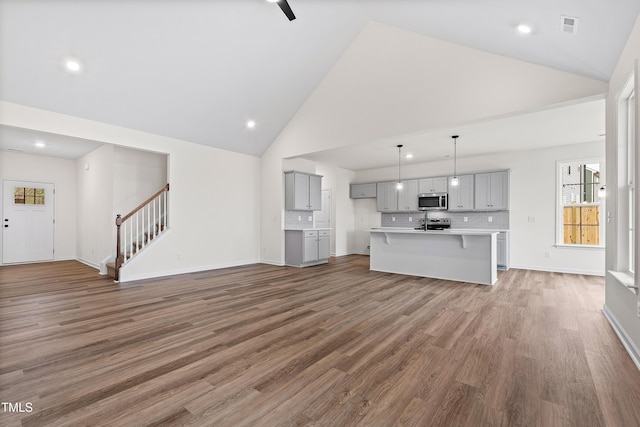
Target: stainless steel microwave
x=432 y=201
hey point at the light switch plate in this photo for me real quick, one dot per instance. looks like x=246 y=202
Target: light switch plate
x=490 y=219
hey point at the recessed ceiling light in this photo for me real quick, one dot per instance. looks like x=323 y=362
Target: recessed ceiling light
x=73 y=65
x=409 y=156
x=40 y=144
x=273 y=1
x=251 y=124
x=524 y=28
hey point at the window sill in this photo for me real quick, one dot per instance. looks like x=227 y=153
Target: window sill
x=626 y=279
x=562 y=246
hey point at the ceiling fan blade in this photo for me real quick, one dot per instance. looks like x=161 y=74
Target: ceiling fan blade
x=286 y=9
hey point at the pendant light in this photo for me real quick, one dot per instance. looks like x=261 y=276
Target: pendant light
x=399 y=184
x=454 y=180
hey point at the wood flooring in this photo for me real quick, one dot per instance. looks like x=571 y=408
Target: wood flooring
x=330 y=345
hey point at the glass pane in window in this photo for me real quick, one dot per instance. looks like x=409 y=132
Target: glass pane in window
x=28 y=196
x=39 y=196
x=18 y=195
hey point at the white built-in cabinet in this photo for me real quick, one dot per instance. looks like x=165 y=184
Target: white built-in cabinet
x=363 y=191
x=387 y=197
x=492 y=191
x=307 y=247
x=390 y=199
x=303 y=191
x=432 y=185
x=461 y=195
x=408 y=196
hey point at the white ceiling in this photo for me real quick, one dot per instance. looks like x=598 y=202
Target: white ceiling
x=197 y=70
x=571 y=124
x=24 y=141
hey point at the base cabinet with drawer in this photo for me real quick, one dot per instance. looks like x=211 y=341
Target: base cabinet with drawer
x=307 y=247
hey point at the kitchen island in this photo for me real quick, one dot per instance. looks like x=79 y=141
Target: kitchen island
x=460 y=255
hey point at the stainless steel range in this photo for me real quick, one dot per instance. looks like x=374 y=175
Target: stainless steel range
x=438 y=223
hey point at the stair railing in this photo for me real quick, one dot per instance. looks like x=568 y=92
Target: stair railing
x=136 y=229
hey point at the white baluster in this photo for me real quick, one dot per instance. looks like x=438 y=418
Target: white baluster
x=154 y=218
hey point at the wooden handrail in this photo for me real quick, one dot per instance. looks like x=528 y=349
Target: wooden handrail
x=143 y=204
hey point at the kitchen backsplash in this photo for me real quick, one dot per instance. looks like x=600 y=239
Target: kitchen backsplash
x=500 y=219
x=298 y=219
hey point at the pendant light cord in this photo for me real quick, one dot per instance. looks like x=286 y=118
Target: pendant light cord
x=399 y=157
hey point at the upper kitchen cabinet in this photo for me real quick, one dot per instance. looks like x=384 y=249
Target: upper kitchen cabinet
x=363 y=191
x=432 y=185
x=408 y=195
x=303 y=191
x=387 y=197
x=492 y=191
x=461 y=195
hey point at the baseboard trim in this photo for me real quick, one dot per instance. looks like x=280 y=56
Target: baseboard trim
x=558 y=270
x=269 y=262
x=631 y=348
x=89 y=263
x=124 y=277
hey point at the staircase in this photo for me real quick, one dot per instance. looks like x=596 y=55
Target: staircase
x=137 y=230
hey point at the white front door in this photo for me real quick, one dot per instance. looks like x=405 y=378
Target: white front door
x=27 y=221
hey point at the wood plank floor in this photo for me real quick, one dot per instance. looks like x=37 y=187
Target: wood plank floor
x=331 y=345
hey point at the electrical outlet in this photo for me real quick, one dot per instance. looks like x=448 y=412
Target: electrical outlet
x=393 y=219
x=532 y=219
x=638 y=309
x=466 y=219
x=310 y=218
x=299 y=218
x=547 y=254
x=179 y=256
x=490 y=219
x=410 y=219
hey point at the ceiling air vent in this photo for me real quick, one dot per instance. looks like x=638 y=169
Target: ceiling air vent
x=568 y=24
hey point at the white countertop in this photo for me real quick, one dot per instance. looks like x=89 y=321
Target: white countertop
x=306 y=229
x=455 y=231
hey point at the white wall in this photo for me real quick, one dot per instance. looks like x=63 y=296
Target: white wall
x=214 y=200
x=342 y=207
x=61 y=172
x=137 y=175
x=620 y=303
x=532 y=194
x=391 y=82
x=96 y=223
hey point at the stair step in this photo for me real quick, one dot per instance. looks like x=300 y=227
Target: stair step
x=111 y=269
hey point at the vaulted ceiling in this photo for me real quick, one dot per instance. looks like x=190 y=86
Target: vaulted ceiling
x=199 y=70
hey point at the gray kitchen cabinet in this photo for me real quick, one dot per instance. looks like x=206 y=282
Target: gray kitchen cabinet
x=432 y=185
x=303 y=191
x=390 y=199
x=324 y=244
x=492 y=191
x=306 y=247
x=387 y=197
x=408 y=196
x=363 y=191
x=502 y=249
x=461 y=195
